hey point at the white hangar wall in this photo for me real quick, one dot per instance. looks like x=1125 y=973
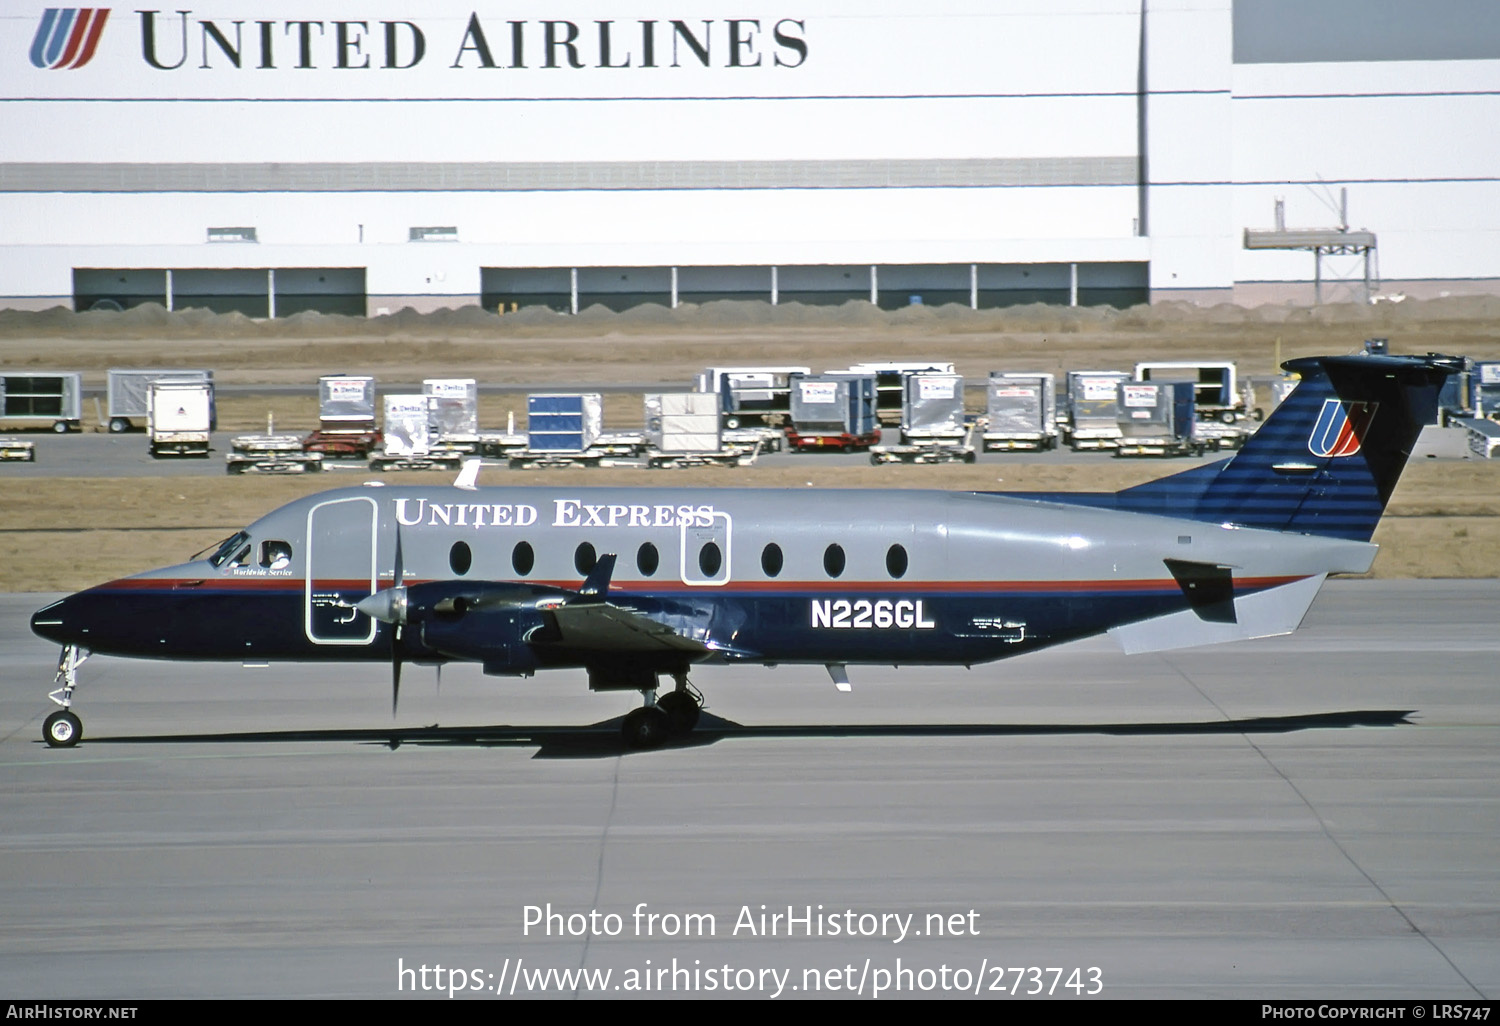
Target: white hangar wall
x=995 y=152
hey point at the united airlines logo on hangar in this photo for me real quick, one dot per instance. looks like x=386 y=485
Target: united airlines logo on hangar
x=1341 y=428
x=68 y=36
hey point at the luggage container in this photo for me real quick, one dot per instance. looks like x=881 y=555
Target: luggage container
x=933 y=429
x=346 y=417
x=933 y=410
x=1092 y=416
x=42 y=399
x=128 y=394
x=179 y=417
x=1218 y=393
x=890 y=383
x=563 y=422
x=751 y=396
x=1157 y=419
x=1020 y=412
x=406 y=438
x=833 y=411
x=683 y=430
x=453 y=413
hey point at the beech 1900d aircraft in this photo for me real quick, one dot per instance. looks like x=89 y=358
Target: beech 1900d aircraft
x=636 y=584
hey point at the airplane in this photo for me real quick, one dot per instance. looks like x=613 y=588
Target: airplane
x=636 y=584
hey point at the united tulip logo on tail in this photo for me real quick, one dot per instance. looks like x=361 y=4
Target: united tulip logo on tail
x=1340 y=428
x=68 y=36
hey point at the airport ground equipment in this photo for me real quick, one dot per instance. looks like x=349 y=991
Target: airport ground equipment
x=271 y=453
x=1157 y=419
x=1020 y=412
x=453 y=413
x=1219 y=394
x=1483 y=434
x=128 y=394
x=751 y=397
x=933 y=426
x=16 y=449
x=42 y=399
x=180 y=417
x=1091 y=415
x=1484 y=389
x=406 y=439
x=346 y=418
x=890 y=382
x=833 y=411
x=683 y=430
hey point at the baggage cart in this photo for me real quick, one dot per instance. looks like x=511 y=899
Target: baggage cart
x=128 y=395
x=42 y=399
x=346 y=418
x=833 y=411
x=1157 y=419
x=1091 y=418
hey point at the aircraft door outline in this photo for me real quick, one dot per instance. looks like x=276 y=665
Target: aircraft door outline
x=340 y=548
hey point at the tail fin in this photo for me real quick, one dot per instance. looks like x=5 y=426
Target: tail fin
x=1325 y=462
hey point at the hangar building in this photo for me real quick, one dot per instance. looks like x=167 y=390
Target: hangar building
x=290 y=155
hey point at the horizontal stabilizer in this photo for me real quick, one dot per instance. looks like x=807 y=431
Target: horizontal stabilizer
x=1262 y=614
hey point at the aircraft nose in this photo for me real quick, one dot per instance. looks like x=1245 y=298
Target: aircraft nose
x=51 y=622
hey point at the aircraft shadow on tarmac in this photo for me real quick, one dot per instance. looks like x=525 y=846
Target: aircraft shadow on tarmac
x=602 y=740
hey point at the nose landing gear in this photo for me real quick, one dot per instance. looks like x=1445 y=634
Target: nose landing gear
x=63 y=729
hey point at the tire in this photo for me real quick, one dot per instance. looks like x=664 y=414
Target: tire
x=646 y=727
x=59 y=427
x=682 y=711
x=118 y=425
x=62 y=729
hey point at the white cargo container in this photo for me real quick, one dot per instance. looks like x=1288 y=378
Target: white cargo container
x=179 y=417
x=453 y=412
x=1021 y=412
x=129 y=394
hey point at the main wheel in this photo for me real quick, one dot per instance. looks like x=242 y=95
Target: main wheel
x=682 y=710
x=62 y=729
x=645 y=727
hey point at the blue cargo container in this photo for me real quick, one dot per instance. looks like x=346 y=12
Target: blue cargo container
x=563 y=422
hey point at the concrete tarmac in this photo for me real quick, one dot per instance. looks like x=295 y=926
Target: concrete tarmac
x=1308 y=817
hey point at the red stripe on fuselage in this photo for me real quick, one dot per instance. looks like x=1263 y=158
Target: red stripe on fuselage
x=298 y=585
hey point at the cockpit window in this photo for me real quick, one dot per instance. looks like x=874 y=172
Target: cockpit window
x=225 y=549
x=275 y=555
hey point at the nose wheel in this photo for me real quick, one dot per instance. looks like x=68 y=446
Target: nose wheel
x=62 y=729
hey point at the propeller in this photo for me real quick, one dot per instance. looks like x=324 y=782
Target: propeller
x=399 y=626
x=389 y=606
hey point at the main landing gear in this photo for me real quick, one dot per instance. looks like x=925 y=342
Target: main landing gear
x=661 y=719
x=63 y=729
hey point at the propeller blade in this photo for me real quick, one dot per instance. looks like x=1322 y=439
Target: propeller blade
x=395 y=671
x=398 y=564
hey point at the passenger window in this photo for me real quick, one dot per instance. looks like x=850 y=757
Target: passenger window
x=833 y=560
x=895 y=561
x=460 y=558
x=647 y=559
x=771 y=559
x=584 y=558
x=275 y=555
x=710 y=559
x=523 y=558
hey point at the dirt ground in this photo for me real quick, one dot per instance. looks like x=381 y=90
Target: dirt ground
x=1444 y=520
